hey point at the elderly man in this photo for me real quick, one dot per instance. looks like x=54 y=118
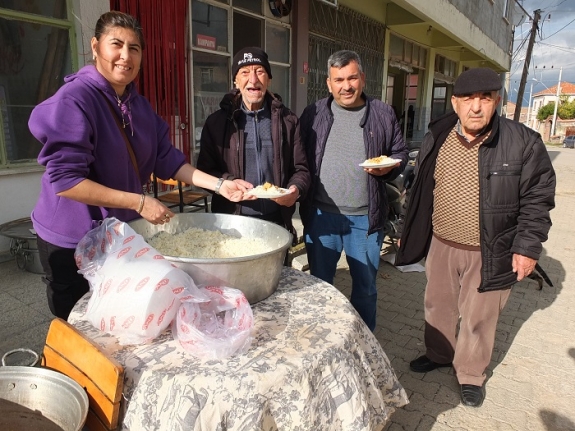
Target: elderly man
x=254 y=137
x=346 y=207
x=479 y=211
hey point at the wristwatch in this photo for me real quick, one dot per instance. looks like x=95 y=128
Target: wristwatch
x=218 y=185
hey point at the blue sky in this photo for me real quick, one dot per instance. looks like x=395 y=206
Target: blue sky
x=554 y=47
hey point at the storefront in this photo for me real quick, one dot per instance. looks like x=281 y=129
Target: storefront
x=221 y=28
x=405 y=83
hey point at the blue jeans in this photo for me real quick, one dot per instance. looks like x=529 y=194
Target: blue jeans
x=326 y=235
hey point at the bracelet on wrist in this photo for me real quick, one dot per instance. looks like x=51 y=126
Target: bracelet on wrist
x=142 y=200
x=218 y=186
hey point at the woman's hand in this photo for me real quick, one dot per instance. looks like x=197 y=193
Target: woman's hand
x=156 y=212
x=234 y=190
x=247 y=187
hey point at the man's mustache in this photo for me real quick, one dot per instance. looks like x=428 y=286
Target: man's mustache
x=350 y=91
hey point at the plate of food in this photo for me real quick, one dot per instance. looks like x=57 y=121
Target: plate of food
x=268 y=191
x=379 y=162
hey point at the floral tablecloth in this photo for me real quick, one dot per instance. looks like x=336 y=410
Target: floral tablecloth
x=313 y=365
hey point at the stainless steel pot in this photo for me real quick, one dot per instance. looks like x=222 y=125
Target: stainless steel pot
x=23 y=244
x=40 y=399
x=257 y=276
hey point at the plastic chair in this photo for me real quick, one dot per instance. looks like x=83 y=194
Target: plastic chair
x=180 y=197
x=73 y=354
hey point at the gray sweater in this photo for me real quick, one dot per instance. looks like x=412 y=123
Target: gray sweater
x=342 y=186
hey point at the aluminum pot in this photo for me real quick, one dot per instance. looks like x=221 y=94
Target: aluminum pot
x=40 y=399
x=257 y=276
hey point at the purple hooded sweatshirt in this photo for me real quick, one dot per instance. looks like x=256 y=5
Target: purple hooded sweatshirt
x=81 y=140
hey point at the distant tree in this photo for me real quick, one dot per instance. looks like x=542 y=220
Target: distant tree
x=566 y=110
x=546 y=111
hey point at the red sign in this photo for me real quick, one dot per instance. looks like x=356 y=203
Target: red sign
x=208 y=42
x=305 y=67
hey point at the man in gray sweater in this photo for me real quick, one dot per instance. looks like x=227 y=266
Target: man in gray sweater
x=346 y=206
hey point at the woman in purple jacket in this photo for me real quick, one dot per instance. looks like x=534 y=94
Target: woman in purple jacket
x=101 y=142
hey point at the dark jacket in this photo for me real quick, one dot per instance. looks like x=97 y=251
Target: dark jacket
x=381 y=135
x=222 y=151
x=517 y=189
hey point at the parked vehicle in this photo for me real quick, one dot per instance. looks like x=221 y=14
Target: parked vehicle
x=569 y=141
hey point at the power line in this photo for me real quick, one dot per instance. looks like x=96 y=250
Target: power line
x=569 y=23
x=561 y=48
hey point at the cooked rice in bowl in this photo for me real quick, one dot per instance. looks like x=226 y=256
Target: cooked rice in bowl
x=206 y=244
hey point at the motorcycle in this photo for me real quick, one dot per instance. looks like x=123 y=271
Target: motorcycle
x=396 y=191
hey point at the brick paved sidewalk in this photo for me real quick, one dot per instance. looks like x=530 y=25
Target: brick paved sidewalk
x=531 y=384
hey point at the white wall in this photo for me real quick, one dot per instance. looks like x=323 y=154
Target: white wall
x=18 y=195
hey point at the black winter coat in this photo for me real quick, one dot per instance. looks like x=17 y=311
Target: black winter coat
x=381 y=135
x=517 y=190
x=222 y=151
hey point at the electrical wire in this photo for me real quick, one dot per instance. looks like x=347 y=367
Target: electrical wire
x=562 y=28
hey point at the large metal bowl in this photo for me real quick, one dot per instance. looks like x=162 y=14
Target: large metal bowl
x=35 y=399
x=257 y=276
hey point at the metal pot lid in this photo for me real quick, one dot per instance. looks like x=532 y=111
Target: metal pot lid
x=21 y=228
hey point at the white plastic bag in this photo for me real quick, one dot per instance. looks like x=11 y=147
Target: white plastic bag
x=216 y=329
x=136 y=292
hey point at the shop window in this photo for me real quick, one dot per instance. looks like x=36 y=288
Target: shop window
x=445 y=66
x=439 y=103
x=35 y=55
x=211 y=82
x=278 y=43
x=248 y=31
x=251 y=5
x=280 y=83
x=389 y=91
x=209 y=27
x=406 y=52
x=396 y=48
x=207 y=75
x=45 y=8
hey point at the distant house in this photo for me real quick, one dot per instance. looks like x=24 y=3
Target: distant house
x=510 y=112
x=567 y=89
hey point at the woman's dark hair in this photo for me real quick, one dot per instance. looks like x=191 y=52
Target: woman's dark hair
x=113 y=19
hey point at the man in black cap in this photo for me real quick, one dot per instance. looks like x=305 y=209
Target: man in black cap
x=478 y=210
x=254 y=137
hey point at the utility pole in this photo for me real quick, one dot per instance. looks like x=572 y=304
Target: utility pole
x=556 y=105
x=534 y=28
x=529 y=107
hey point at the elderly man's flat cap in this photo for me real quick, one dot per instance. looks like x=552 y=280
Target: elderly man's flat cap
x=478 y=80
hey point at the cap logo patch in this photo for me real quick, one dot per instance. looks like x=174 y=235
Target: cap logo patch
x=249 y=58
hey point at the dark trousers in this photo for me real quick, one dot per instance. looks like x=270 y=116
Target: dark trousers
x=64 y=286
